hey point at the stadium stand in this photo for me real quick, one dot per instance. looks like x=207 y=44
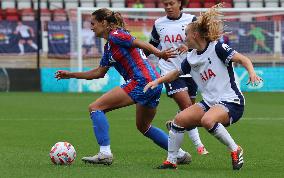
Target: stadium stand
x=255 y=3
x=271 y=3
x=8 y=4
x=55 y=4
x=118 y=3
x=87 y=3
x=240 y=3
x=24 y=4
x=102 y=3
x=71 y=4
x=43 y=4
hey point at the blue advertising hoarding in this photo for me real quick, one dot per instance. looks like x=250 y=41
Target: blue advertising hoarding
x=273 y=80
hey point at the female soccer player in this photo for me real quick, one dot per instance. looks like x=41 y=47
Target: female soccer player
x=168 y=32
x=210 y=64
x=123 y=52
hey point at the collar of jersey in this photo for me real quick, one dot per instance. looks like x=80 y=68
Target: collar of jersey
x=175 y=18
x=201 y=52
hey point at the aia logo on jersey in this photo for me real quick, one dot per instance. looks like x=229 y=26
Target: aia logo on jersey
x=206 y=75
x=173 y=38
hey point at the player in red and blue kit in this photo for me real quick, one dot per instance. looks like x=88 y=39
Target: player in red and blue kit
x=123 y=52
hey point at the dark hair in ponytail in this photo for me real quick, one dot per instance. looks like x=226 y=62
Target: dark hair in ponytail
x=114 y=19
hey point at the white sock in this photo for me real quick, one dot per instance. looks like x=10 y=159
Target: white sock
x=34 y=45
x=194 y=136
x=105 y=150
x=224 y=137
x=21 y=46
x=174 y=142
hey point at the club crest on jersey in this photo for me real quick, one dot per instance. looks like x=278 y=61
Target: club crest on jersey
x=173 y=38
x=206 y=75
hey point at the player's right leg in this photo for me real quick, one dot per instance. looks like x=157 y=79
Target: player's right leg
x=187 y=118
x=183 y=91
x=113 y=99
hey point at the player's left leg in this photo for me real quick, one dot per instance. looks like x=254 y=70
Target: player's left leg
x=32 y=44
x=116 y=98
x=214 y=120
x=144 y=117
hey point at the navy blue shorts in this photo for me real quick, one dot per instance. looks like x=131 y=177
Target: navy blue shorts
x=234 y=110
x=150 y=98
x=182 y=84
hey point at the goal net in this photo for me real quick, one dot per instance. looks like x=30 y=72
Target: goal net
x=255 y=32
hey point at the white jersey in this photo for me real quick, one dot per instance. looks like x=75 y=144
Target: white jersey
x=23 y=30
x=170 y=33
x=213 y=72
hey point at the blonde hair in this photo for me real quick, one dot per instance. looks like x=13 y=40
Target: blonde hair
x=114 y=19
x=209 y=25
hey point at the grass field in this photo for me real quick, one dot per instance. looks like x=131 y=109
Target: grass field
x=30 y=123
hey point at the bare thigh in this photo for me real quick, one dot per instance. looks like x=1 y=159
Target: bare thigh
x=182 y=99
x=144 y=117
x=215 y=114
x=116 y=98
x=190 y=117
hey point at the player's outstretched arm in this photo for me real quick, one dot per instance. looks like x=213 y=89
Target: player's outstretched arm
x=254 y=79
x=166 y=54
x=96 y=73
x=164 y=79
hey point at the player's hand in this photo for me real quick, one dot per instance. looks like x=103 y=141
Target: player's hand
x=151 y=85
x=254 y=79
x=168 y=53
x=62 y=74
x=182 y=49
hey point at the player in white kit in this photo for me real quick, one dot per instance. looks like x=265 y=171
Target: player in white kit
x=26 y=34
x=210 y=64
x=169 y=32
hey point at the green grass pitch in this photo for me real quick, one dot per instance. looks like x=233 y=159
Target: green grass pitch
x=30 y=123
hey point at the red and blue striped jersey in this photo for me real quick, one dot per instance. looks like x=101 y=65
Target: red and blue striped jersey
x=130 y=62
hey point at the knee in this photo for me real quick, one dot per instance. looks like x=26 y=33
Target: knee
x=179 y=120
x=207 y=123
x=94 y=107
x=142 y=127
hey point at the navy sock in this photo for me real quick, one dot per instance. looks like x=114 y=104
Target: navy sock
x=101 y=127
x=158 y=136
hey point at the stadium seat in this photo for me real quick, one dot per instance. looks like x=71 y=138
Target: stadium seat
x=55 y=4
x=45 y=15
x=277 y=18
x=194 y=5
x=8 y=4
x=261 y=19
x=255 y=3
x=271 y=3
x=71 y=4
x=27 y=14
x=208 y=4
x=87 y=3
x=102 y=3
x=21 y=4
x=59 y=15
x=240 y=4
x=228 y=3
x=150 y=5
x=43 y=4
x=12 y=18
x=117 y=3
x=281 y=3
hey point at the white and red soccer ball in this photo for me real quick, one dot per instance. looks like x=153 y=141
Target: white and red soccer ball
x=62 y=153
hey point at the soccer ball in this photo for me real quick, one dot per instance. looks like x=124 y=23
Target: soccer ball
x=62 y=153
